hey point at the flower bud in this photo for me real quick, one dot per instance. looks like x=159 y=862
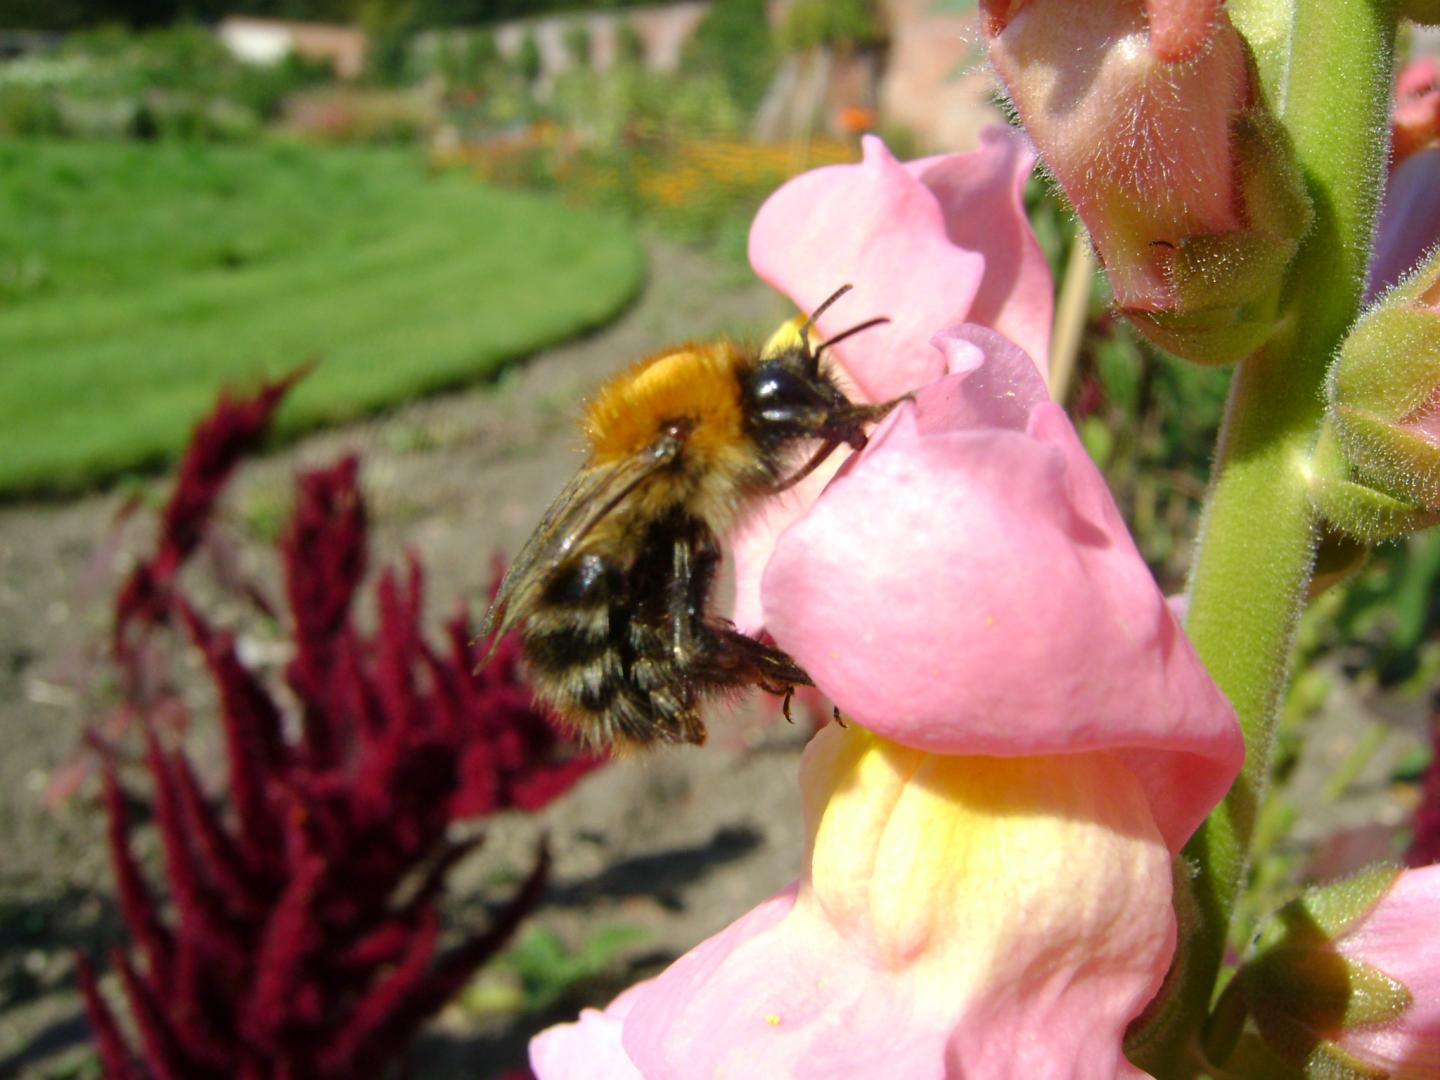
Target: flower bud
x=1151 y=121
x=1353 y=509
x=1345 y=981
x=1415 y=120
x=1384 y=392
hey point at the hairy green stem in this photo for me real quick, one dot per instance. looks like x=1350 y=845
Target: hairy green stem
x=1257 y=543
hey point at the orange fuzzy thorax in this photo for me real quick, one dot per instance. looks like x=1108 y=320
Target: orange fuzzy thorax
x=695 y=382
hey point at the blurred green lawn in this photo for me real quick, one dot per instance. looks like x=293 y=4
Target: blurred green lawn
x=135 y=280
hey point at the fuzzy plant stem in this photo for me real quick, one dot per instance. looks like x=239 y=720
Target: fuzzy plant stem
x=1258 y=539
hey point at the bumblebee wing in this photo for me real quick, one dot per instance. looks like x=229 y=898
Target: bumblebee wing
x=593 y=493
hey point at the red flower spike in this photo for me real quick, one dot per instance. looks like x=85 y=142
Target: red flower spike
x=289 y=937
x=1425 y=842
x=136 y=902
x=252 y=732
x=299 y=935
x=203 y=914
x=222 y=862
x=233 y=429
x=324 y=557
x=110 y=1045
x=364 y=1035
x=452 y=971
x=164 y=1055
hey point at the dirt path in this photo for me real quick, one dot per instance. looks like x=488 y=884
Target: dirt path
x=675 y=844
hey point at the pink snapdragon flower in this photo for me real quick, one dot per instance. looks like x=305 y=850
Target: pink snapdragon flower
x=987 y=883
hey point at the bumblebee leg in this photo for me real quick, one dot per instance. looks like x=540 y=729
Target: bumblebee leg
x=732 y=659
x=703 y=652
x=838 y=718
x=694 y=559
x=665 y=636
x=784 y=689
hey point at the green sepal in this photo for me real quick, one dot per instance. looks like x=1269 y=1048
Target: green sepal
x=1253 y=1060
x=1415 y=287
x=1224 y=1028
x=1227 y=285
x=1388 y=369
x=1212 y=336
x=1389 y=457
x=1321 y=990
x=1149 y=1028
x=1389 y=364
x=1354 y=509
x=1305 y=1054
x=1324 y=912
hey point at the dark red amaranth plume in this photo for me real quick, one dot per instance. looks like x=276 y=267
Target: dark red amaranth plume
x=1425 y=839
x=233 y=429
x=299 y=931
x=147 y=598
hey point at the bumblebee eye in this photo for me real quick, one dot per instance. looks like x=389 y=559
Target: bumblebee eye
x=780 y=396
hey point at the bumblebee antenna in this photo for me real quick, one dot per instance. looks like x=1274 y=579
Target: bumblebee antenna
x=849 y=333
x=810 y=322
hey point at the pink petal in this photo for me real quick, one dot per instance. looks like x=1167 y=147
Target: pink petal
x=1179 y=29
x=1415 y=119
x=918 y=946
x=929 y=244
x=967 y=586
x=590 y=1047
x=982 y=194
x=918 y=244
x=753 y=539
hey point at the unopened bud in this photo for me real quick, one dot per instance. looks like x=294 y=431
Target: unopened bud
x=1353 y=508
x=1343 y=982
x=1384 y=391
x=1150 y=118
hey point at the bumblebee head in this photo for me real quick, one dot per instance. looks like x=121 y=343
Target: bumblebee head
x=787 y=396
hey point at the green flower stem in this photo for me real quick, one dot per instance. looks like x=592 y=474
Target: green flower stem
x=1258 y=540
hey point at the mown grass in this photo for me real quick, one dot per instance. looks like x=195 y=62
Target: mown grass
x=137 y=280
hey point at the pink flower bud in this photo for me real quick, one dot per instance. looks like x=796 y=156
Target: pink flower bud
x=1345 y=981
x=1149 y=118
x=1415 y=120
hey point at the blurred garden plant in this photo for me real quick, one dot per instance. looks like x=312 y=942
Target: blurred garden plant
x=1028 y=848
x=298 y=931
x=175 y=82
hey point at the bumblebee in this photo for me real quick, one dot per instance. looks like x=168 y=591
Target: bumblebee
x=611 y=593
